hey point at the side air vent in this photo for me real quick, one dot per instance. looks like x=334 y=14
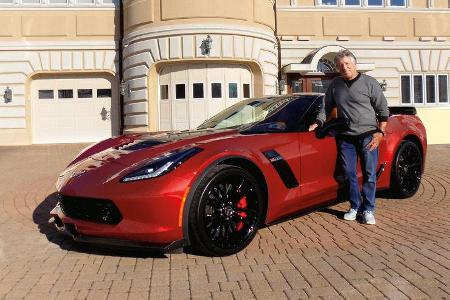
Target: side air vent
x=282 y=168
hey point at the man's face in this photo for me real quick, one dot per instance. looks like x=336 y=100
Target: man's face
x=347 y=68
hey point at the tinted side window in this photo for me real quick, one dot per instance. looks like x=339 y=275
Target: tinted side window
x=297 y=113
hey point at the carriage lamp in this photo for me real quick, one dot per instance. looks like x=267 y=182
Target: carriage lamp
x=206 y=45
x=7 y=96
x=281 y=85
x=383 y=85
x=125 y=88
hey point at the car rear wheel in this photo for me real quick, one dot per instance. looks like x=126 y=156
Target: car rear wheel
x=406 y=170
x=226 y=211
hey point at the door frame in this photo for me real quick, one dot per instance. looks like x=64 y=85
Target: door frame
x=306 y=80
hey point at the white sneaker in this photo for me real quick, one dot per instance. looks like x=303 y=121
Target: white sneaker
x=368 y=217
x=351 y=215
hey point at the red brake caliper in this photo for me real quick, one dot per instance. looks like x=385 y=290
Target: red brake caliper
x=242 y=204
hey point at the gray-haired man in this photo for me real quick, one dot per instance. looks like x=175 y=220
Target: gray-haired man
x=358 y=98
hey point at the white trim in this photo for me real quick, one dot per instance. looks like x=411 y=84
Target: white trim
x=310 y=69
x=198 y=28
x=385 y=9
x=371 y=45
x=60 y=45
x=27 y=7
x=44 y=4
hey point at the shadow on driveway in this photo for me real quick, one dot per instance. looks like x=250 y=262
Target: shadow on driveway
x=41 y=215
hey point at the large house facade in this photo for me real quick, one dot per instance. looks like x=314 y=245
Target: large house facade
x=178 y=62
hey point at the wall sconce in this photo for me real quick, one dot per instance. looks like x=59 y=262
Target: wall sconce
x=7 y=96
x=125 y=88
x=383 y=85
x=206 y=45
x=281 y=85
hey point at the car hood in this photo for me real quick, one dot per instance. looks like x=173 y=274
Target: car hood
x=131 y=150
x=147 y=145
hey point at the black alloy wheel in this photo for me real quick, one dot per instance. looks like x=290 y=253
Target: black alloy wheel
x=406 y=170
x=226 y=211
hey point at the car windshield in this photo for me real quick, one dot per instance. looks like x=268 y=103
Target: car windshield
x=264 y=114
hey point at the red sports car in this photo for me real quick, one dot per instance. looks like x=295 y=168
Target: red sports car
x=213 y=187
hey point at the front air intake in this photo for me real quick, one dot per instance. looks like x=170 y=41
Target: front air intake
x=90 y=209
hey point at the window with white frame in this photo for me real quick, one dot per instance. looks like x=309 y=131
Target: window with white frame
x=364 y=3
x=397 y=3
x=424 y=89
x=375 y=3
x=352 y=2
x=327 y=2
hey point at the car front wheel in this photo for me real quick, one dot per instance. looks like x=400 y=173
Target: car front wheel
x=226 y=211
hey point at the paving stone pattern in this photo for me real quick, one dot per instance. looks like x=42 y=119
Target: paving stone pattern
x=318 y=255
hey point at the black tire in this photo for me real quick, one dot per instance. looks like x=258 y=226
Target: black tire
x=226 y=211
x=406 y=172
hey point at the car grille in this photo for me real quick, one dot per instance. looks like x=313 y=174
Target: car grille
x=90 y=209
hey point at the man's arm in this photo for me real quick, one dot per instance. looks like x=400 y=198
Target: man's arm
x=327 y=106
x=379 y=104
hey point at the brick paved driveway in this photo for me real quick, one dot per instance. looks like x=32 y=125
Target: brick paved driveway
x=406 y=255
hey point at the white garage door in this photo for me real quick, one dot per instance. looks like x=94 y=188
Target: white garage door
x=190 y=94
x=73 y=109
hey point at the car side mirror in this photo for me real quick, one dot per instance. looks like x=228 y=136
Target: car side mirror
x=330 y=128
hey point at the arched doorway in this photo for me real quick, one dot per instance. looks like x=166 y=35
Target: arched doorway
x=315 y=72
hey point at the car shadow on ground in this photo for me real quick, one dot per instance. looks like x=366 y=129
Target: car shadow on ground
x=41 y=215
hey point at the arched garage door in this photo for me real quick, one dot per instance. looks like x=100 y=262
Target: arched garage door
x=189 y=94
x=73 y=109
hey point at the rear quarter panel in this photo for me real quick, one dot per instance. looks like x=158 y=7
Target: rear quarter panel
x=399 y=128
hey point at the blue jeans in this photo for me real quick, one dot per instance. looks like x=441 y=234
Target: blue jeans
x=349 y=151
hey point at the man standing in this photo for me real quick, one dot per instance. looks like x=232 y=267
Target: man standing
x=359 y=99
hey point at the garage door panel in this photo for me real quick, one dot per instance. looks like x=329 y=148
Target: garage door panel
x=192 y=110
x=198 y=112
x=69 y=120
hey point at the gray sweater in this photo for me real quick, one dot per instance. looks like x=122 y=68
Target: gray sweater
x=362 y=104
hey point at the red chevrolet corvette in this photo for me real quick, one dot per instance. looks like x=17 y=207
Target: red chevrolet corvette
x=213 y=187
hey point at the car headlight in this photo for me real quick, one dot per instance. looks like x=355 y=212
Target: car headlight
x=162 y=164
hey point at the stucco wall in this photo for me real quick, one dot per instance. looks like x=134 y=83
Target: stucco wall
x=363 y=24
x=58 y=25
x=142 y=13
x=437 y=124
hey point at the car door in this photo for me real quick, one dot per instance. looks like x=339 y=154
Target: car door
x=318 y=163
x=317 y=169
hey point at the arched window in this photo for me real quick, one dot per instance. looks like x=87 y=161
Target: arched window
x=326 y=66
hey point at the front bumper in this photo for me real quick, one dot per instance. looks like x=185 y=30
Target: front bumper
x=70 y=230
